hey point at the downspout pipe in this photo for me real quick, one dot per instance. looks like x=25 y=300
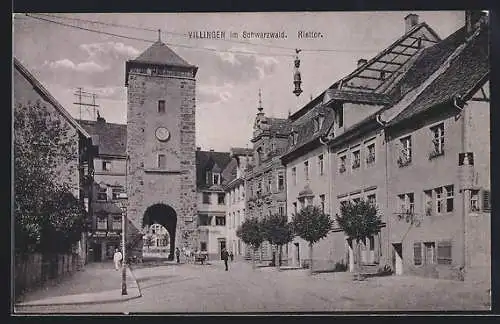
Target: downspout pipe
x=388 y=221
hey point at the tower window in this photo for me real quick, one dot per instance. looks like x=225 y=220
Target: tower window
x=162 y=161
x=161 y=106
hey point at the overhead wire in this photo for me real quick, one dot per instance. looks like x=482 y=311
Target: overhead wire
x=185 y=35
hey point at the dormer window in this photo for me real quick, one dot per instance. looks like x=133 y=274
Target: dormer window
x=321 y=119
x=216 y=178
x=295 y=137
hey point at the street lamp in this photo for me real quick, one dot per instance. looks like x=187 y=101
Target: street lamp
x=122 y=199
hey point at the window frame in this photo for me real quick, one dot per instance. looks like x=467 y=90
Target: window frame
x=106 y=165
x=444 y=260
x=159 y=159
x=321 y=166
x=417 y=246
x=438 y=140
x=219 y=195
x=306 y=170
x=161 y=106
x=206 y=198
x=356 y=159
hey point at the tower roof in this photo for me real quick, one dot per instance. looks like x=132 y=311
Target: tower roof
x=160 y=53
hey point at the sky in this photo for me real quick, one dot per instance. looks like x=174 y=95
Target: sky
x=231 y=70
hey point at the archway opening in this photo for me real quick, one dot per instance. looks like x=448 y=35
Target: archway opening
x=167 y=217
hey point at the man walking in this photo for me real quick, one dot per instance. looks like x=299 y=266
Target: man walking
x=117 y=258
x=225 y=257
x=231 y=255
x=178 y=254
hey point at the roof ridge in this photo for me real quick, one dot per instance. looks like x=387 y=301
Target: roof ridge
x=37 y=84
x=412 y=95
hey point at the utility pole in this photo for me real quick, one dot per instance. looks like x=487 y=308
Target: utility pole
x=80 y=94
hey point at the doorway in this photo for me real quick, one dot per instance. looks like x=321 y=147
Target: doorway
x=397 y=258
x=222 y=245
x=96 y=251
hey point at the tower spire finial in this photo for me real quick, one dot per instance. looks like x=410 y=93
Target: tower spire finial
x=260 y=102
x=159 y=35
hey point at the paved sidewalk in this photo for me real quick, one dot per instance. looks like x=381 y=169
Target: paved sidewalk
x=96 y=283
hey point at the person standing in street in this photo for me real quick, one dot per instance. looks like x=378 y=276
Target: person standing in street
x=225 y=257
x=231 y=255
x=178 y=254
x=117 y=258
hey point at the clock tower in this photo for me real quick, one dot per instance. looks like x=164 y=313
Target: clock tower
x=161 y=148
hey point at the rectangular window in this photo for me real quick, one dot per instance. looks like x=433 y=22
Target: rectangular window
x=372 y=199
x=371 y=243
x=294 y=175
x=117 y=223
x=102 y=193
x=439 y=200
x=162 y=161
x=206 y=198
x=306 y=170
x=428 y=202
x=356 y=200
x=449 y=198
x=444 y=252
x=115 y=192
x=429 y=253
x=102 y=223
x=407 y=203
x=370 y=154
x=106 y=165
x=270 y=183
x=220 y=198
x=417 y=253
x=320 y=164
x=356 y=159
x=203 y=246
x=474 y=201
x=281 y=210
x=438 y=139
x=322 y=202
x=295 y=207
x=281 y=181
x=486 y=200
x=406 y=152
x=161 y=106
x=342 y=164
x=203 y=220
x=216 y=178
x=220 y=220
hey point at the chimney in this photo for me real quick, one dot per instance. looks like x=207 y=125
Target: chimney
x=211 y=150
x=198 y=148
x=100 y=120
x=410 y=21
x=362 y=62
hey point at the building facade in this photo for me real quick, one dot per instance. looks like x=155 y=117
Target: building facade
x=109 y=181
x=266 y=176
x=161 y=168
x=438 y=167
x=234 y=186
x=29 y=94
x=211 y=212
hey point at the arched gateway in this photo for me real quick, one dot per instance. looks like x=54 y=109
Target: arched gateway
x=165 y=216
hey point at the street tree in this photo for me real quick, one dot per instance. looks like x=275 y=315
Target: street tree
x=312 y=225
x=45 y=210
x=277 y=231
x=359 y=220
x=252 y=234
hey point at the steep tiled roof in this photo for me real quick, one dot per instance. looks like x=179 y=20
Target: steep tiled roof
x=159 y=53
x=112 y=138
x=205 y=160
x=304 y=126
x=47 y=96
x=464 y=73
x=230 y=171
x=279 y=126
x=427 y=63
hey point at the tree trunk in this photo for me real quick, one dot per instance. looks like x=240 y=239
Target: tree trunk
x=280 y=255
x=253 y=257
x=311 y=257
x=357 y=264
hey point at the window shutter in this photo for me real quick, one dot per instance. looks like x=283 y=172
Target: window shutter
x=417 y=253
x=486 y=200
x=444 y=252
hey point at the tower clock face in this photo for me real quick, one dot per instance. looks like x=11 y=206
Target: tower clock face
x=162 y=134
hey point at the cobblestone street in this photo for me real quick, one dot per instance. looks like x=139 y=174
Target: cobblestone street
x=208 y=288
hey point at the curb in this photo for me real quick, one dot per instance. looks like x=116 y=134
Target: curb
x=133 y=286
